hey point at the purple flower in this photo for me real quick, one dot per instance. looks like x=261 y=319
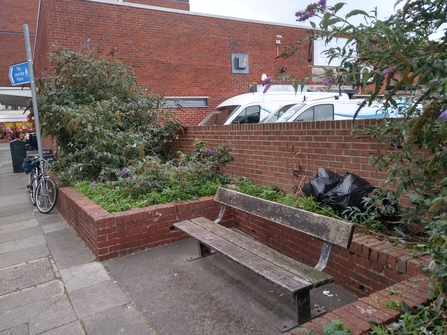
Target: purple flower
x=442 y=117
x=389 y=70
x=93 y=185
x=124 y=172
x=85 y=75
x=310 y=11
x=209 y=151
x=267 y=82
x=88 y=40
x=444 y=148
x=328 y=80
x=134 y=178
x=51 y=93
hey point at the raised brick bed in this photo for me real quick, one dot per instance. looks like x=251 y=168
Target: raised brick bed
x=366 y=269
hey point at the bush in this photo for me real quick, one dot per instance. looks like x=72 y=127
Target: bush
x=98 y=116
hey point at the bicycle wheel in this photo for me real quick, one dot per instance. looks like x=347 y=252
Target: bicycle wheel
x=46 y=194
x=30 y=188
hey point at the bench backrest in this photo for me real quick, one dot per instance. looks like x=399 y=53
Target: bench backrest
x=331 y=230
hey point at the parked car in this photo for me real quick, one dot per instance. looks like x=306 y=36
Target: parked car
x=333 y=110
x=253 y=107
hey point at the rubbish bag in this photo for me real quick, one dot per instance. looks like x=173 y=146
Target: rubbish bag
x=348 y=193
x=323 y=182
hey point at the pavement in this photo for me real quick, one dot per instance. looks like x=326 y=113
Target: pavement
x=52 y=284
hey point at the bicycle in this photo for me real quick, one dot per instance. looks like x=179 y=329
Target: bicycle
x=42 y=189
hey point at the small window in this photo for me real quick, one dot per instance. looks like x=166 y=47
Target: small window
x=186 y=102
x=324 y=112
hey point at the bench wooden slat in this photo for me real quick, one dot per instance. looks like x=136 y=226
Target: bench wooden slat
x=335 y=231
x=269 y=269
x=300 y=270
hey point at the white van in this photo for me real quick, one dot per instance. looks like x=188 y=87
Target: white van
x=253 y=107
x=332 y=110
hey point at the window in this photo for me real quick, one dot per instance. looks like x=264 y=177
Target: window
x=317 y=113
x=250 y=114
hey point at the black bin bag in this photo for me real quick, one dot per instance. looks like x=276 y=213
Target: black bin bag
x=348 y=193
x=323 y=182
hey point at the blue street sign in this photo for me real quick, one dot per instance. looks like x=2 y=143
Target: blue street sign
x=18 y=74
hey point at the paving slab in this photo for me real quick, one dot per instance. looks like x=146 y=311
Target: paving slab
x=25 y=275
x=73 y=328
x=20 y=234
x=58 y=314
x=26 y=297
x=97 y=298
x=70 y=252
x=10 y=227
x=124 y=320
x=22 y=243
x=24 y=255
x=51 y=227
x=61 y=234
x=84 y=275
x=24 y=216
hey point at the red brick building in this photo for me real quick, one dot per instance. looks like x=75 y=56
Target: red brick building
x=175 y=52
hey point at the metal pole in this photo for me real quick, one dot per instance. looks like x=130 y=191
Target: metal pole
x=29 y=58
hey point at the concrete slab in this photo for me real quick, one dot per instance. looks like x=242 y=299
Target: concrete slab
x=24 y=216
x=58 y=314
x=97 y=298
x=212 y=295
x=19 y=330
x=25 y=275
x=73 y=328
x=20 y=234
x=24 y=255
x=51 y=227
x=60 y=234
x=9 y=227
x=84 y=275
x=52 y=217
x=17 y=300
x=22 y=243
x=70 y=252
x=120 y=320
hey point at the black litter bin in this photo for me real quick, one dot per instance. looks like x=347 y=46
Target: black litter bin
x=18 y=154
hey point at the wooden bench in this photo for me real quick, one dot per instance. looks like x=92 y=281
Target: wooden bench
x=286 y=272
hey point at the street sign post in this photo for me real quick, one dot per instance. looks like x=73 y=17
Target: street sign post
x=19 y=74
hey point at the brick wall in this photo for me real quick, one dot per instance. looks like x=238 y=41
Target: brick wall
x=188 y=58
x=116 y=234
x=175 y=4
x=272 y=153
x=13 y=15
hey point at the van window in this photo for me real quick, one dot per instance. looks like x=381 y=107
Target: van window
x=251 y=114
x=273 y=117
x=317 y=113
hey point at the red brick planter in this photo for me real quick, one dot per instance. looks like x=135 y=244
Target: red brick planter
x=366 y=269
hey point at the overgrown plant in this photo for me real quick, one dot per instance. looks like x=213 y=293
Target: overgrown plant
x=151 y=181
x=403 y=53
x=98 y=116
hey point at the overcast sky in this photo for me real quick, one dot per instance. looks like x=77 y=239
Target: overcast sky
x=281 y=11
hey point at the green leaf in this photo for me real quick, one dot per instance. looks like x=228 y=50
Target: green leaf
x=356 y=12
x=338 y=6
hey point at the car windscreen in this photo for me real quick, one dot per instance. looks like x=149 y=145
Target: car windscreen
x=219 y=115
x=290 y=112
x=273 y=117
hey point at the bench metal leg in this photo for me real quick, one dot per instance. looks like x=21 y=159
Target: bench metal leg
x=301 y=311
x=203 y=252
